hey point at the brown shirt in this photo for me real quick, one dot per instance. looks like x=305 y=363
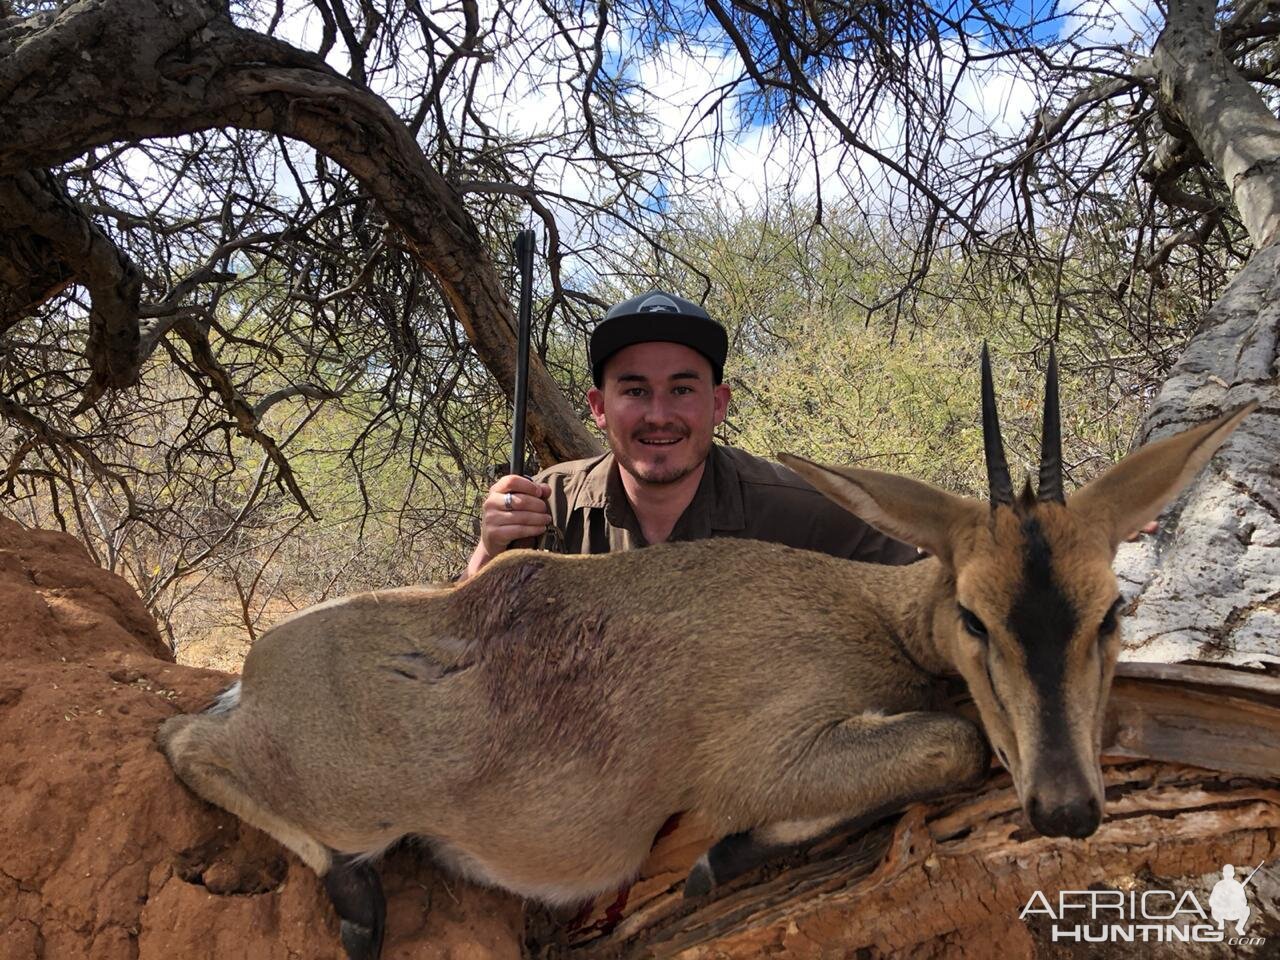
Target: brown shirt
x=740 y=495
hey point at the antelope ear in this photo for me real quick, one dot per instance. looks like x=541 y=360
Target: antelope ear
x=911 y=511
x=1135 y=490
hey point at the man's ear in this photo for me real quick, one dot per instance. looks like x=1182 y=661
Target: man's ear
x=1136 y=489
x=722 y=395
x=595 y=398
x=912 y=511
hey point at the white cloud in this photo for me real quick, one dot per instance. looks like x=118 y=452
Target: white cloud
x=1112 y=22
x=678 y=90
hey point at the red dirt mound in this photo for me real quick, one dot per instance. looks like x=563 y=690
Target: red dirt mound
x=103 y=853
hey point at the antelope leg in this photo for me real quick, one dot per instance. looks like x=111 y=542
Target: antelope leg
x=853 y=773
x=356 y=892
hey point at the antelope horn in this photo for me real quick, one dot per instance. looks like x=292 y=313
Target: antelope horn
x=997 y=466
x=1051 y=439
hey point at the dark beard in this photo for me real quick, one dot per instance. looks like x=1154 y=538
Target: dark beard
x=663 y=473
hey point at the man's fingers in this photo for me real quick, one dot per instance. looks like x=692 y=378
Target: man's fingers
x=515 y=509
x=523 y=518
x=524 y=533
x=513 y=483
x=520 y=503
x=501 y=528
x=499 y=538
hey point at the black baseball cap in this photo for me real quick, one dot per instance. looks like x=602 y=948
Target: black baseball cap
x=658 y=315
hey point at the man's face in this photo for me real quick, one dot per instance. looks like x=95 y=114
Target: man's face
x=658 y=405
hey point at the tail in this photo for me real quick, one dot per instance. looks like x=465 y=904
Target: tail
x=226 y=701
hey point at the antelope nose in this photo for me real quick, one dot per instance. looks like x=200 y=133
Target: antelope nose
x=1073 y=818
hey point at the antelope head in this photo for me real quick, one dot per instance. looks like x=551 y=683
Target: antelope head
x=1028 y=614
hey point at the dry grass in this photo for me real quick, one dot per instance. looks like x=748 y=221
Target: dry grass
x=209 y=629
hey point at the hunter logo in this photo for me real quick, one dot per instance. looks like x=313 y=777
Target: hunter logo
x=1228 y=900
x=1151 y=916
x=658 y=304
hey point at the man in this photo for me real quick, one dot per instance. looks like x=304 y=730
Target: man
x=657 y=362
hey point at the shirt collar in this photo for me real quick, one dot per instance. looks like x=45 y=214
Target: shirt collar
x=594 y=489
x=719 y=495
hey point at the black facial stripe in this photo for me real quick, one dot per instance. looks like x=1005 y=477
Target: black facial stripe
x=991 y=682
x=1043 y=621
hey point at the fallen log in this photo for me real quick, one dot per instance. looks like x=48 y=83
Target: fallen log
x=1191 y=756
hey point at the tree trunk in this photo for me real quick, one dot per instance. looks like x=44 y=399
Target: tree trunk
x=1226 y=117
x=32 y=204
x=1207 y=586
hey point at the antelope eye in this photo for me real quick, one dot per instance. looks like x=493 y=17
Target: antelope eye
x=1108 y=625
x=971 y=623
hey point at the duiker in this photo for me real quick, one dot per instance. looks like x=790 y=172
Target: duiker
x=538 y=723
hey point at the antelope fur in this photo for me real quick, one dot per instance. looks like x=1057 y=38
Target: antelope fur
x=539 y=723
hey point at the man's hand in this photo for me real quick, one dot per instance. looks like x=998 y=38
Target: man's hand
x=514 y=509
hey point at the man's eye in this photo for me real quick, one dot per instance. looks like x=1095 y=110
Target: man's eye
x=681 y=391
x=633 y=392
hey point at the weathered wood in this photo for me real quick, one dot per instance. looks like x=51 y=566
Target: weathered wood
x=958 y=871
x=34 y=200
x=1207 y=585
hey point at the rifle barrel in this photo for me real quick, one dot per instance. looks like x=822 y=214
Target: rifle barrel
x=1255 y=870
x=525 y=243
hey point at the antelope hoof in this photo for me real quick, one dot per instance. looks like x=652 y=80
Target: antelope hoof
x=700 y=881
x=357 y=898
x=729 y=858
x=361 y=942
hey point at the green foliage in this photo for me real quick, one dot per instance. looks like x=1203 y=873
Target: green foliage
x=843 y=393
x=829 y=359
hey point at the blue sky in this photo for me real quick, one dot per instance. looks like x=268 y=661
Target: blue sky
x=738 y=154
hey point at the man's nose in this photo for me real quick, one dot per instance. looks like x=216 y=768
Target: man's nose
x=659 y=411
